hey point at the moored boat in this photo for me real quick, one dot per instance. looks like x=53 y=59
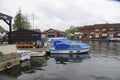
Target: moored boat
x=63 y=45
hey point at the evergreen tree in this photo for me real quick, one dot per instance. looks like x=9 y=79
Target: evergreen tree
x=21 y=21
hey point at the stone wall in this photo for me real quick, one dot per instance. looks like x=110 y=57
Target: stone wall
x=10 y=57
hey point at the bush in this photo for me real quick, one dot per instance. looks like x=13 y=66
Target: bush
x=1 y=54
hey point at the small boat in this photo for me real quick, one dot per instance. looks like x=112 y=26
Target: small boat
x=113 y=40
x=63 y=45
x=37 y=53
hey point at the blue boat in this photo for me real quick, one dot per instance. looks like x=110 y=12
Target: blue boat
x=63 y=45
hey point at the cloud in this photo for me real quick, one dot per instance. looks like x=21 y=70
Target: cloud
x=61 y=14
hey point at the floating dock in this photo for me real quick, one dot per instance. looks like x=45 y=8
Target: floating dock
x=26 y=54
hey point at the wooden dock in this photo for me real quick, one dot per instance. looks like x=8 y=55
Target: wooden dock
x=37 y=52
x=11 y=58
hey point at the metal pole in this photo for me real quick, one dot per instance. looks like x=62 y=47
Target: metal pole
x=33 y=20
x=10 y=29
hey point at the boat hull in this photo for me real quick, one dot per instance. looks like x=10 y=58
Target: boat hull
x=70 y=51
x=37 y=54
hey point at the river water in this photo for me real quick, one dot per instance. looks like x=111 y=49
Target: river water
x=101 y=63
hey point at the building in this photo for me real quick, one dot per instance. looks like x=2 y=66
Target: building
x=25 y=35
x=2 y=34
x=2 y=31
x=98 y=31
x=54 y=33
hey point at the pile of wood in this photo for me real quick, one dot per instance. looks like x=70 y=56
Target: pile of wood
x=25 y=45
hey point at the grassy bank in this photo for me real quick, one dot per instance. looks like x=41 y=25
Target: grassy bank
x=1 y=54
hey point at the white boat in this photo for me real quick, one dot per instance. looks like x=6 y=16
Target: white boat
x=70 y=51
x=113 y=39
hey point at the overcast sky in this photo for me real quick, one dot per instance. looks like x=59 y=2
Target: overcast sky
x=61 y=14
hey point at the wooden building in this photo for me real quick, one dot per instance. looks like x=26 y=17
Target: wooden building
x=54 y=33
x=24 y=35
x=99 y=31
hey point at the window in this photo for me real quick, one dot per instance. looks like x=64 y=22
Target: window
x=111 y=29
x=118 y=34
x=96 y=35
x=77 y=32
x=96 y=29
x=51 y=33
x=35 y=35
x=103 y=29
x=2 y=32
x=104 y=34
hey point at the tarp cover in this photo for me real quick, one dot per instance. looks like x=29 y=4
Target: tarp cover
x=62 y=46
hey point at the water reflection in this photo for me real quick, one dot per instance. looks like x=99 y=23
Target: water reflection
x=32 y=65
x=65 y=58
x=101 y=47
x=29 y=66
x=37 y=63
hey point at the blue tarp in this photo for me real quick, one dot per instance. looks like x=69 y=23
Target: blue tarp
x=62 y=46
x=65 y=44
x=56 y=39
x=70 y=46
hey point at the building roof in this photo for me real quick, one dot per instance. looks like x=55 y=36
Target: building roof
x=60 y=32
x=98 y=26
x=51 y=29
x=36 y=30
x=2 y=29
x=24 y=30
